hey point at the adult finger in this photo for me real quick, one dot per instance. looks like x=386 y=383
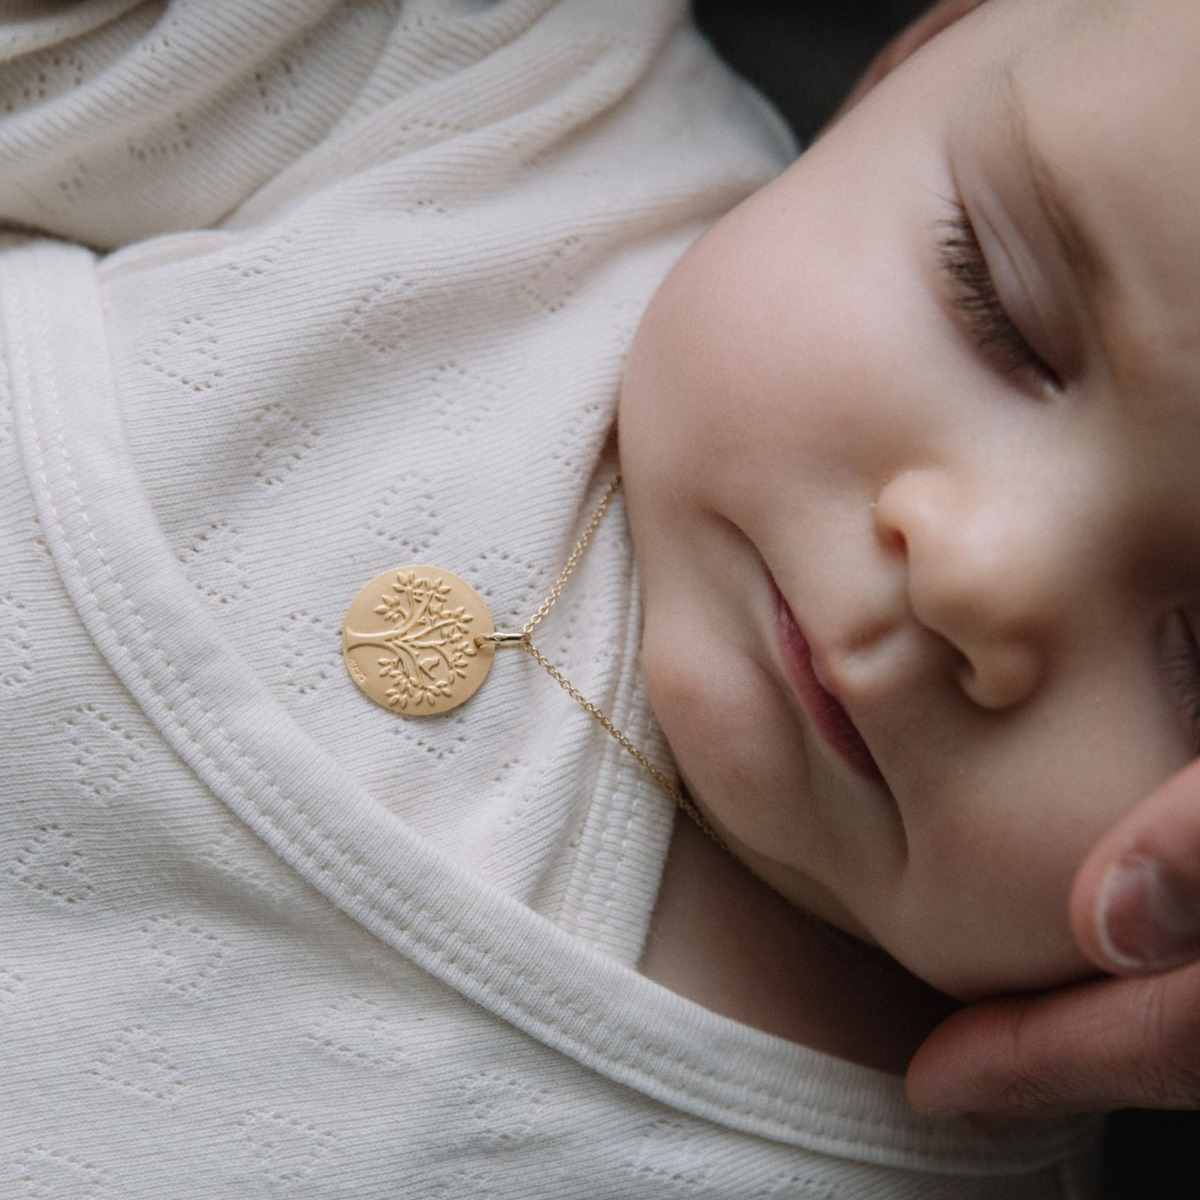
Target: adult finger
x=1110 y=1043
x=1135 y=905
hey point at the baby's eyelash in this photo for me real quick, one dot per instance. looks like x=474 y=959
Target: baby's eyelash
x=973 y=293
x=1183 y=671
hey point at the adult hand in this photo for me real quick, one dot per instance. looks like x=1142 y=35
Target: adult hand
x=1110 y=1043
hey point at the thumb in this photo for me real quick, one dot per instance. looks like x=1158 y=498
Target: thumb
x=1135 y=904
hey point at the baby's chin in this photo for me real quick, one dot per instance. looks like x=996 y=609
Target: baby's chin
x=967 y=974
x=973 y=960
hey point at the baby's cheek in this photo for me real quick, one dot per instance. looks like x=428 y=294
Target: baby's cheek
x=994 y=848
x=984 y=904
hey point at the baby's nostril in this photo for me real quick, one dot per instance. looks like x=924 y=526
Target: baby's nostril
x=1000 y=676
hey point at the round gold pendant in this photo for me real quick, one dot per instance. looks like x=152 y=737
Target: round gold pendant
x=409 y=640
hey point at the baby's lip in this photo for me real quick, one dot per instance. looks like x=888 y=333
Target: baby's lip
x=803 y=668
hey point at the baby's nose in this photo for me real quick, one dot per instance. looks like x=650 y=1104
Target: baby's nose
x=980 y=574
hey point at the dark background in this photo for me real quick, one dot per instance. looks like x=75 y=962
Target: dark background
x=805 y=55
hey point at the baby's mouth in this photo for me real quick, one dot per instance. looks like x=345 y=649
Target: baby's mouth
x=823 y=708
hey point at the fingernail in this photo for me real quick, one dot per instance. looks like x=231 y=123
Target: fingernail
x=1144 y=920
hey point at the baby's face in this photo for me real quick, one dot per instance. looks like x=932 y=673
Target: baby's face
x=911 y=442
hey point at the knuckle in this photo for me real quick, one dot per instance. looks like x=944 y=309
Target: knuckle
x=1044 y=1089
x=1035 y=1080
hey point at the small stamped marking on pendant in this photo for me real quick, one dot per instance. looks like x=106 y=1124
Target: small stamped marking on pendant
x=410 y=640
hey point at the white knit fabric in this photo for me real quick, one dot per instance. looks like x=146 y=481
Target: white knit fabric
x=374 y=269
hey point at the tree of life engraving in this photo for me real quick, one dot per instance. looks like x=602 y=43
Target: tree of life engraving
x=431 y=660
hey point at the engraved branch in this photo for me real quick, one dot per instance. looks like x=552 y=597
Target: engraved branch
x=427 y=643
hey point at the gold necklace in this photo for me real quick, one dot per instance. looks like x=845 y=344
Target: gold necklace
x=440 y=642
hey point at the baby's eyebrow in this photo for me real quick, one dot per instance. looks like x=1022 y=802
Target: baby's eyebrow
x=1079 y=248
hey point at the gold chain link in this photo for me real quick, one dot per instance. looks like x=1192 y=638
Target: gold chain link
x=580 y=546
x=524 y=640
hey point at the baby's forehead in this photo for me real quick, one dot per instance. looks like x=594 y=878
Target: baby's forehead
x=1114 y=55
x=1101 y=87
x=1103 y=117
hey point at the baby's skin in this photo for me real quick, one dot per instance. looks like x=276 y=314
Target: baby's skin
x=910 y=442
